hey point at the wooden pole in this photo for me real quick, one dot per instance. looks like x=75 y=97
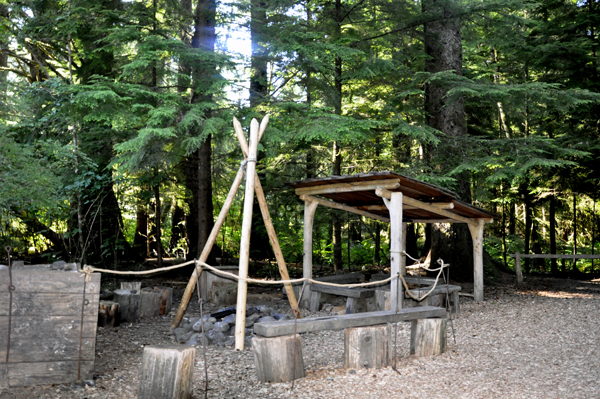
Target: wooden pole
x=189 y=289
x=477 y=235
x=394 y=205
x=264 y=209
x=309 y=214
x=240 y=318
x=518 y=268
x=403 y=249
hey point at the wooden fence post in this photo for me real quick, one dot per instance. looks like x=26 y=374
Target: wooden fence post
x=518 y=268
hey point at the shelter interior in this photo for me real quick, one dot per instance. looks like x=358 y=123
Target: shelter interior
x=398 y=199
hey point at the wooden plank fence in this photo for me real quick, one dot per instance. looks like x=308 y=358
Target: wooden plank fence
x=518 y=256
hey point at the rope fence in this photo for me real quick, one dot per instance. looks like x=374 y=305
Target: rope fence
x=88 y=270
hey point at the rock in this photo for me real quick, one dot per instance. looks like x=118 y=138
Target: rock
x=220 y=338
x=58 y=265
x=278 y=316
x=248 y=342
x=230 y=341
x=70 y=267
x=251 y=311
x=178 y=332
x=248 y=332
x=221 y=327
x=196 y=340
x=207 y=326
x=253 y=317
x=208 y=318
x=266 y=319
x=17 y=263
x=249 y=322
x=186 y=336
x=264 y=309
x=231 y=331
x=229 y=319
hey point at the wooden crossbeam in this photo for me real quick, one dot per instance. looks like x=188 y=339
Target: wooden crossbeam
x=382 y=192
x=337 y=205
x=349 y=187
x=439 y=205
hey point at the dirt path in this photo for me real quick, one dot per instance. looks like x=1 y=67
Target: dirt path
x=541 y=341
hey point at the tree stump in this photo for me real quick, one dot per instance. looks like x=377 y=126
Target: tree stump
x=108 y=314
x=368 y=347
x=167 y=372
x=151 y=302
x=278 y=359
x=428 y=337
x=129 y=302
x=131 y=285
x=167 y=299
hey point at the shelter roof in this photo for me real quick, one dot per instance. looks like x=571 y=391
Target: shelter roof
x=421 y=200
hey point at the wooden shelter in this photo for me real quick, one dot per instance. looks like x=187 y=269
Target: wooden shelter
x=397 y=199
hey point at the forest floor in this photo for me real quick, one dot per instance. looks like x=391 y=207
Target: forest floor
x=538 y=341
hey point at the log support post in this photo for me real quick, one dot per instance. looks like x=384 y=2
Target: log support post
x=309 y=216
x=278 y=359
x=167 y=372
x=477 y=236
x=368 y=347
x=394 y=205
x=428 y=337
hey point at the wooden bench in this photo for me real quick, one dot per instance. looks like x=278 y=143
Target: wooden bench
x=354 y=296
x=436 y=298
x=368 y=339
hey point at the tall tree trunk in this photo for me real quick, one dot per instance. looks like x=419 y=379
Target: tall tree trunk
x=552 y=216
x=528 y=224
x=140 y=240
x=443 y=46
x=157 y=225
x=199 y=163
x=177 y=228
x=575 y=270
x=337 y=157
x=259 y=88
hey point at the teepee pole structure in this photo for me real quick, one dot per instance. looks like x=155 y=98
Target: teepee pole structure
x=262 y=202
x=240 y=315
x=221 y=220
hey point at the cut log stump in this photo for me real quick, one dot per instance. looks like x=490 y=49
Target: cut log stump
x=278 y=359
x=150 y=302
x=167 y=372
x=129 y=302
x=368 y=347
x=108 y=314
x=131 y=285
x=428 y=337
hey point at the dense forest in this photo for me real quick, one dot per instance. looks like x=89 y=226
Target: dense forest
x=117 y=144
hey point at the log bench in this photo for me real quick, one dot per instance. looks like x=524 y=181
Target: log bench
x=367 y=340
x=354 y=296
x=436 y=298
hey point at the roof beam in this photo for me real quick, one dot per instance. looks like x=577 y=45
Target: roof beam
x=337 y=205
x=368 y=185
x=382 y=192
x=439 y=205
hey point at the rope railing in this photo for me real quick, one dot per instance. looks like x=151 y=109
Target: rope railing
x=88 y=270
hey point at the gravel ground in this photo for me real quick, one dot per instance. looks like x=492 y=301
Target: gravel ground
x=541 y=341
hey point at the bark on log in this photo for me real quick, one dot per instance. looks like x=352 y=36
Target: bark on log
x=108 y=314
x=368 y=347
x=428 y=337
x=129 y=302
x=166 y=299
x=167 y=372
x=278 y=359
